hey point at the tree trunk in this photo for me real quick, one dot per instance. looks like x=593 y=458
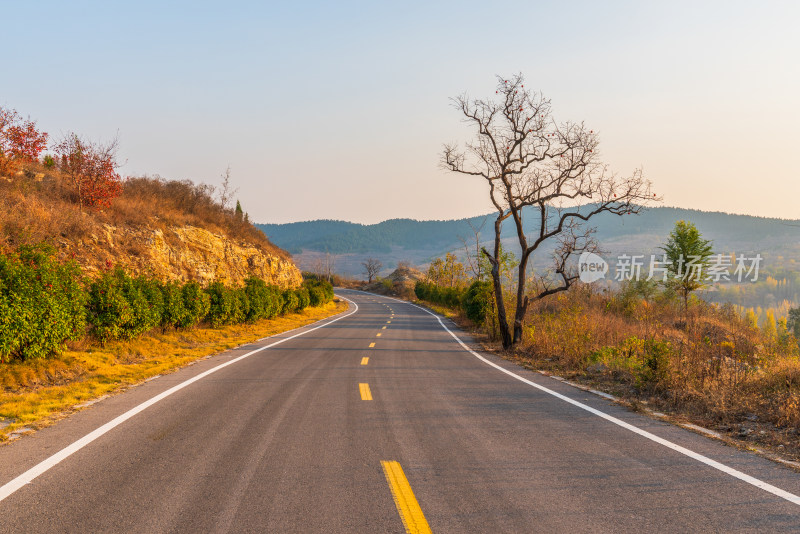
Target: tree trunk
x=519 y=317
x=505 y=332
x=522 y=299
x=686 y=309
x=494 y=260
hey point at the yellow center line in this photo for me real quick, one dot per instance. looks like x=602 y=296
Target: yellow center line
x=378 y=334
x=388 y=322
x=384 y=328
x=371 y=345
x=364 y=360
x=407 y=505
x=366 y=394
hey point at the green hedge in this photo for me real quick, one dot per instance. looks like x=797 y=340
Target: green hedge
x=319 y=291
x=303 y=298
x=226 y=305
x=42 y=303
x=173 y=312
x=446 y=296
x=196 y=304
x=291 y=302
x=122 y=307
x=475 y=300
x=266 y=301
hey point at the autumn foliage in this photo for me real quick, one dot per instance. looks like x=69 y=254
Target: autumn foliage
x=91 y=168
x=20 y=141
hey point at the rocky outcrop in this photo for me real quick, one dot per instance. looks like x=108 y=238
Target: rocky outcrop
x=179 y=253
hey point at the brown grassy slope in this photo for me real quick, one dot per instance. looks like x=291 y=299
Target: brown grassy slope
x=40 y=206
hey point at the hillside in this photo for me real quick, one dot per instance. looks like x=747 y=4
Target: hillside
x=417 y=241
x=172 y=230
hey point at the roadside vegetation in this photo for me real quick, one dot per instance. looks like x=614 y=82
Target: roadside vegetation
x=65 y=338
x=36 y=392
x=67 y=333
x=653 y=340
x=651 y=343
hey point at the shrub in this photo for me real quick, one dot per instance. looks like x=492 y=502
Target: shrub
x=241 y=306
x=227 y=305
x=221 y=304
x=319 y=291
x=265 y=301
x=91 y=168
x=303 y=298
x=174 y=312
x=109 y=312
x=316 y=296
x=421 y=290
x=275 y=300
x=20 y=141
x=446 y=296
x=151 y=290
x=196 y=304
x=656 y=368
x=49 y=161
x=41 y=303
x=291 y=302
x=327 y=288
x=452 y=296
x=477 y=301
x=121 y=307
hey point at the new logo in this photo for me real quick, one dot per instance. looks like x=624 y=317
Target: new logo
x=591 y=267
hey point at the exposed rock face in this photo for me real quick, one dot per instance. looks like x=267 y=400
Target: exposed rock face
x=180 y=253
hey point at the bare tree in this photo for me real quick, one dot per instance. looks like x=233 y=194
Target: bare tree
x=227 y=191
x=474 y=260
x=371 y=268
x=325 y=267
x=537 y=167
x=330 y=266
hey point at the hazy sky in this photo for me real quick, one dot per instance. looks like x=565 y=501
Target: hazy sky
x=339 y=110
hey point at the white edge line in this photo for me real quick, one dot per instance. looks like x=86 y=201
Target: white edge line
x=28 y=476
x=791 y=497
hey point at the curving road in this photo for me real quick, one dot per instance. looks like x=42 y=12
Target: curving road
x=378 y=420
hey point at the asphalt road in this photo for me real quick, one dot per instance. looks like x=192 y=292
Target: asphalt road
x=282 y=441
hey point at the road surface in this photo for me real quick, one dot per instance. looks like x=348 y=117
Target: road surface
x=378 y=420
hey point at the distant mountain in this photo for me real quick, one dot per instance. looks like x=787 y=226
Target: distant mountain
x=339 y=237
x=418 y=241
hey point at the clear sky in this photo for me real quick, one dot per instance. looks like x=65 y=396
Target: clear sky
x=339 y=110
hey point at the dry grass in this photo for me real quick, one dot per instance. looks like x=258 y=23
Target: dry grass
x=39 y=206
x=709 y=365
x=36 y=393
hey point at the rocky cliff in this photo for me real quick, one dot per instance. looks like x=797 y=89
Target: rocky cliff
x=178 y=253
